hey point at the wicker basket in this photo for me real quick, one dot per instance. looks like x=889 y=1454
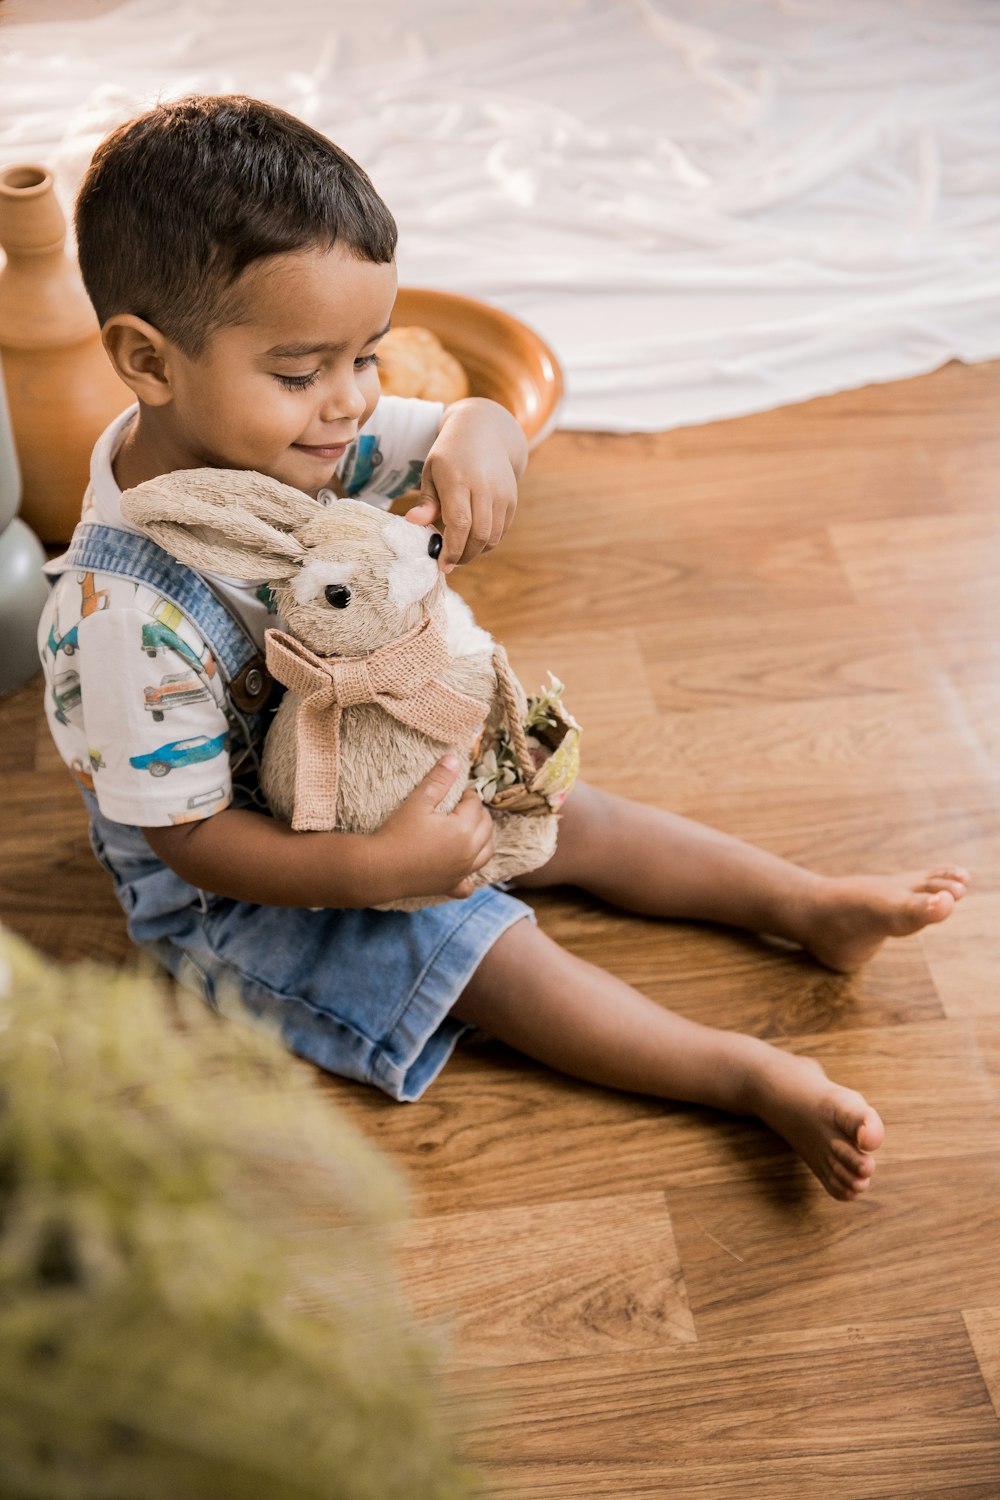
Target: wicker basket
x=545 y=775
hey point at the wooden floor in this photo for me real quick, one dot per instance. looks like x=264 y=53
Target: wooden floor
x=787 y=626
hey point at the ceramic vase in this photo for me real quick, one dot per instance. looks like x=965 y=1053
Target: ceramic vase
x=22 y=586
x=61 y=387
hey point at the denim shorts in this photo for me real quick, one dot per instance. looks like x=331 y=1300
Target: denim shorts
x=364 y=994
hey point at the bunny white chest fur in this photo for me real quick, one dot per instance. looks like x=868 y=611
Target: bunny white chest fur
x=465 y=637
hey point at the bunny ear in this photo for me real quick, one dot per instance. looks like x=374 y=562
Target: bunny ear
x=223 y=521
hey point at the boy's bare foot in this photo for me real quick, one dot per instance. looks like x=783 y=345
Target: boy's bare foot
x=849 y=919
x=833 y=1129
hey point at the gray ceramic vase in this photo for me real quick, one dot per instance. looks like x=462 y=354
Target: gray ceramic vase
x=23 y=589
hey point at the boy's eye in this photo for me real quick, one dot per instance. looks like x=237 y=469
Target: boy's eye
x=365 y=361
x=297 y=382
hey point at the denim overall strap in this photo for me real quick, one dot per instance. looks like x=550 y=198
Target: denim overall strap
x=110 y=549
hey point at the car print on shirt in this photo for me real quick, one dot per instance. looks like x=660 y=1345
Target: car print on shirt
x=66 y=694
x=166 y=612
x=78 y=770
x=180 y=753
x=93 y=599
x=409 y=480
x=67 y=643
x=195 y=810
x=84 y=776
x=174 y=689
x=365 y=456
x=159 y=637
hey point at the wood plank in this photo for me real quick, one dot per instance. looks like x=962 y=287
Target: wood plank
x=760 y=571
x=964 y=958
x=823 y=653
x=892 y=1411
x=790 y=1254
x=901 y=560
x=715 y=492
x=864 y=831
x=549 y=1281
x=983 y=1324
x=811 y=748
x=604 y=671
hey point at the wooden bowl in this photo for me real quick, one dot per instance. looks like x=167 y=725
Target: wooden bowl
x=503 y=358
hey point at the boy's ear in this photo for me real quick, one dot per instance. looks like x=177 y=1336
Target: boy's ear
x=138 y=352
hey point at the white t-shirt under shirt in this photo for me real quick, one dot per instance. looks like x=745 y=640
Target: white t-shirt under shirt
x=134 y=700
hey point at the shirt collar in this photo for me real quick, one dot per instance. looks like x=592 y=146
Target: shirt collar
x=104 y=487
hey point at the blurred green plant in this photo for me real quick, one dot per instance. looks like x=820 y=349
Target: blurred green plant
x=157 y=1169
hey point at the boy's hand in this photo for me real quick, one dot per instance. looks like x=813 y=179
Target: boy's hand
x=423 y=852
x=470 y=476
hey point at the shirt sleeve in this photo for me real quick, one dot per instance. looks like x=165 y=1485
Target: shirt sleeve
x=387 y=457
x=157 y=738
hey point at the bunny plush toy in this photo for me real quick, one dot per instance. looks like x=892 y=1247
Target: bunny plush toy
x=385 y=668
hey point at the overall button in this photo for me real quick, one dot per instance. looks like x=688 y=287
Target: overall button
x=251 y=687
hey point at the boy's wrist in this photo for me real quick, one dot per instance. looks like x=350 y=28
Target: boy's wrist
x=353 y=870
x=480 y=410
x=390 y=873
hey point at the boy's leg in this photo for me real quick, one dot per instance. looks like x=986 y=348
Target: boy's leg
x=655 y=862
x=555 y=1007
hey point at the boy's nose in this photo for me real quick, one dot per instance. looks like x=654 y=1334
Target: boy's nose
x=348 y=400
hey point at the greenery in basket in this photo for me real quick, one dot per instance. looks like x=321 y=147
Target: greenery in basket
x=546 y=722
x=156 y=1170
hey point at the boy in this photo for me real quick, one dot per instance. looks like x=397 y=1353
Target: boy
x=242 y=269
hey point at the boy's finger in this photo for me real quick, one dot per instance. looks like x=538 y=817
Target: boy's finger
x=426 y=512
x=482 y=840
x=472 y=809
x=503 y=515
x=435 y=785
x=485 y=853
x=458 y=522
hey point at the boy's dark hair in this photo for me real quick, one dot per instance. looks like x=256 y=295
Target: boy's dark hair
x=177 y=203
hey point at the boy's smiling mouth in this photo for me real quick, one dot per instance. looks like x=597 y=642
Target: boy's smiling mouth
x=324 y=451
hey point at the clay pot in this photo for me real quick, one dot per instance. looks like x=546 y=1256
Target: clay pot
x=61 y=387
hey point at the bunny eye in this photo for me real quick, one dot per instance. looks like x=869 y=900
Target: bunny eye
x=319 y=576
x=435 y=544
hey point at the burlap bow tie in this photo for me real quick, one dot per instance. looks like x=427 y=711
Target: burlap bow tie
x=400 y=678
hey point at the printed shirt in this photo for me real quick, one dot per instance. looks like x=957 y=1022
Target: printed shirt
x=134 y=698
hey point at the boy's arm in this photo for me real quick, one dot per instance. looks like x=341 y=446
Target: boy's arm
x=418 y=851
x=469 y=483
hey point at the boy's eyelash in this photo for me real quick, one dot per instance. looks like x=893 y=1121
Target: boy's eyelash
x=303 y=382
x=297 y=382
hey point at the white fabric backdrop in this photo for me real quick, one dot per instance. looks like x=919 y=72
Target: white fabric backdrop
x=707 y=206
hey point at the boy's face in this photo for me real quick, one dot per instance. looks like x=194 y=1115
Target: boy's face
x=284 y=391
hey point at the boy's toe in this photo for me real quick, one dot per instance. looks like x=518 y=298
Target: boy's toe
x=935 y=883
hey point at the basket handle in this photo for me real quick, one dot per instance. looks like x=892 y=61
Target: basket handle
x=508 y=697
